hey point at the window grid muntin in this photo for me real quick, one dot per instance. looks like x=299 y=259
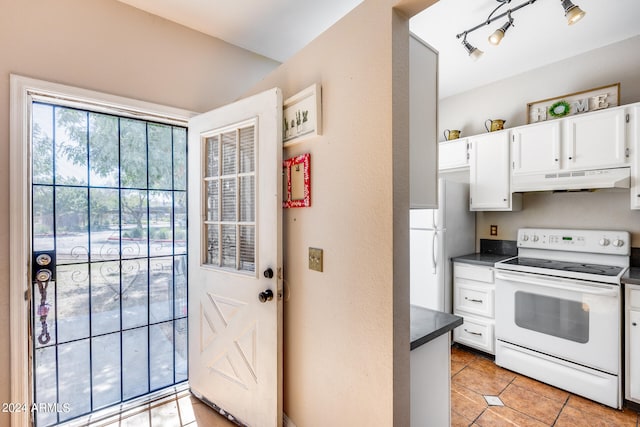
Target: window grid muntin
x=209 y=176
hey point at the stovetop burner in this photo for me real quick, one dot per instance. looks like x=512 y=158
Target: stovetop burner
x=603 y=270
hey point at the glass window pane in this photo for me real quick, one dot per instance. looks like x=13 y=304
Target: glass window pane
x=247 y=151
x=160 y=289
x=213 y=245
x=105 y=297
x=179 y=158
x=105 y=360
x=160 y=230
x=213 y=156
x=180 y=280
x=71 y=129
x=72 y=300
x=160 y=162
x=105 y=224
x=42 y=219
x=45 y=383
x=161 y=354
x=247 y=248
x=229 y=246
x=133 y=153
x=179 y=222
x=229 y=199
x=72 y=220
x=553 y=316
x=134 y=294
x=135 y=230
x=181 y=348
x=42 y=144
x=247 y=199
x=74 y=378
x=229 y=150
x=213 y=198
x=135 y=365
x=103 y=150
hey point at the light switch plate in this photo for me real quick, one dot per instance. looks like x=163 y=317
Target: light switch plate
x=315 y=259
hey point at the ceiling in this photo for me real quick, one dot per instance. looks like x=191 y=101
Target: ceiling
x=277 y=29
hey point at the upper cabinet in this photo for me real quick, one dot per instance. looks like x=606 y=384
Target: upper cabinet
x=634 y=137
x=423 y=147
x=453 y=155
x=536 y=148
x=489 y=173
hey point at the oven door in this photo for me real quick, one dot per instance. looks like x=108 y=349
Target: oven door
x=574 y=320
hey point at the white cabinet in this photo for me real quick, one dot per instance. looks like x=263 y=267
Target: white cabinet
x=595 y=140
x=632 y=391
x=489 y=173
x=473 y=299
x=634 y=137
x=453 y=155
x=423 y=146
x=536 y=148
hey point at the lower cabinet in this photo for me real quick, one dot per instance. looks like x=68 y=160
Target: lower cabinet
x=632 y=391
x=473 y=299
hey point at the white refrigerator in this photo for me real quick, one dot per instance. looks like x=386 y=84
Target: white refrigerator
x=437 y=235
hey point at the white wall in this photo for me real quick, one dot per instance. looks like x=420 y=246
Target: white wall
x=107 y=46
x=508 y=99
x=346 y=329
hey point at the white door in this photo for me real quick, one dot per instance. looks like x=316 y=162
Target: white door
x=235 y=259
x=634 y=354
x=489 y=174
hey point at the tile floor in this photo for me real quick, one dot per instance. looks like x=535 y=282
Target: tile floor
x=178 y=410
x=527 y=403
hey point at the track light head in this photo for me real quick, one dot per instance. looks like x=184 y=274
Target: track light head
x=572 y=12
x=474 y=52
x=498 y=34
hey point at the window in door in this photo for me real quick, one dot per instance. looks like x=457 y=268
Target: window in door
x=109 y=204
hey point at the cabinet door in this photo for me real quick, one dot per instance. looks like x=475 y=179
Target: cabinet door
x=634 y=354
x=595 y=140
x=634 y=145
x=423 y=145
x=489 y=176
x=453 y=154
x=536 y=148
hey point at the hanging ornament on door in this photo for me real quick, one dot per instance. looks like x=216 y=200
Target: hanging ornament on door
x=42 y=278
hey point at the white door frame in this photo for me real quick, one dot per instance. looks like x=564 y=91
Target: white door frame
x=23 y=89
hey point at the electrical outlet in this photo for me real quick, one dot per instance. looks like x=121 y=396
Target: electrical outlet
x=493 y=230
x=315 y=259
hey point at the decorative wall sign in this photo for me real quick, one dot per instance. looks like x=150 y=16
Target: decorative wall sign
x=574 y=103
x=302 y=115
x=297 y=181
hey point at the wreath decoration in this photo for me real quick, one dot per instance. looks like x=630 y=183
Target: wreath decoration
x=559 y=109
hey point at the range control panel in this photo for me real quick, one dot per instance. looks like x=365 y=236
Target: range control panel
x=594 y=241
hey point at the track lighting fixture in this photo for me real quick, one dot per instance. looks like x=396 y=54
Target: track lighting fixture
x=572 y=12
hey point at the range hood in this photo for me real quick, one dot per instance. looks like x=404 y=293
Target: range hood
x=572 y=180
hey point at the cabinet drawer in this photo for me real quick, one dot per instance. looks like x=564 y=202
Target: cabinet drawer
x=475 y=333
x=473 y=272
x=634 y=299
x=473 y=298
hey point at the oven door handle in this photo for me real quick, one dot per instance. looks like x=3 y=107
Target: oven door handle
x=567 y=284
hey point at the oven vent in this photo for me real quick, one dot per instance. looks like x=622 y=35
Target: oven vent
x=572 y=180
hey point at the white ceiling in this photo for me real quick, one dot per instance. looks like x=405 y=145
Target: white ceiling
x=279 y=28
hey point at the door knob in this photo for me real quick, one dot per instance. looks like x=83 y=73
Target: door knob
x=268 y=273
x=265 y=296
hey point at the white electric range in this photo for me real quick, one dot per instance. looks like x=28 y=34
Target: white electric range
x=558 y=310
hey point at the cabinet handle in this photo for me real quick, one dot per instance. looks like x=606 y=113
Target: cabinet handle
x=556 y=160
x=473 y=300
x=634 y=324
x=570 y=158
x=473 y=333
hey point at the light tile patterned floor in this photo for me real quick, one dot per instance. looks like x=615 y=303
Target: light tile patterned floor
x=527 y=403
x=178 y=410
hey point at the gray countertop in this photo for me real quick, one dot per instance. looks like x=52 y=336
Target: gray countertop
x=481 y=258
x=632 y=276
x=427 y=324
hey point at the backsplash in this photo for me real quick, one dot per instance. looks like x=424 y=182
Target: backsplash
x=500 y=247
x=635 y=257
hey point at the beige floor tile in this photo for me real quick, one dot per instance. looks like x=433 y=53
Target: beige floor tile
x=503 y=416
x=531 y=403
x=207 y=417
x=626 y=417
x=458 y=420
x=481 y=382
x=466 y=402
x=489 y=368
x=457 y=367
x=461 y=356
x=541 y=388
x=165 y=415
x=573 y=417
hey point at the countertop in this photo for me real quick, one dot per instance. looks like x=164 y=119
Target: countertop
x=632 y=276
x=427 y=324
x=481 y=258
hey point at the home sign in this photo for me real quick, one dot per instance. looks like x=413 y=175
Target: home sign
x=574 y=103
